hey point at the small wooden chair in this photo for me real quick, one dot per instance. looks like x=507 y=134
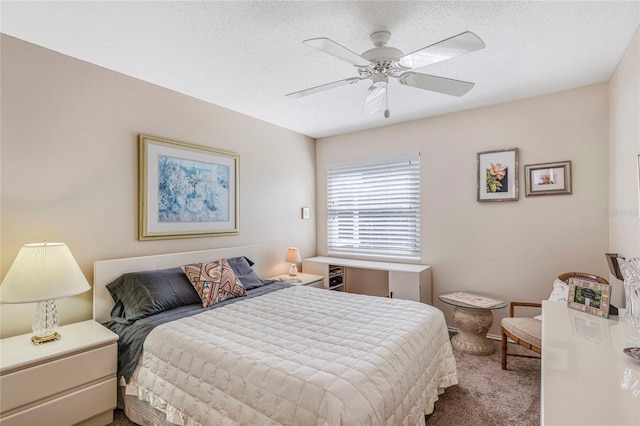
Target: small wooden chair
x=527 y=332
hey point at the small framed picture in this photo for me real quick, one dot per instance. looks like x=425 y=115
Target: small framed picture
x=590 y=297
x=498 y=175
x=548 y=178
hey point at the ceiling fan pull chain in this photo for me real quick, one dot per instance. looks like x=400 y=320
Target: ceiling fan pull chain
x=386 y=101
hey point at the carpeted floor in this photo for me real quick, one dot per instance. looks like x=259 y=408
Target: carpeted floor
x=486 y=395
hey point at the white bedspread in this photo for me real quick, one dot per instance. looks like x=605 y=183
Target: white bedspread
x=299 y=356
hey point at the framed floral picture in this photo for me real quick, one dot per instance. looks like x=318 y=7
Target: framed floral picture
x=548 y=178
x=186 y=190
x=498 y=175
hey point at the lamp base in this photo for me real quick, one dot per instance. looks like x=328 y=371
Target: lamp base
x=293 y=270
x=45 y=323
x=38 y=340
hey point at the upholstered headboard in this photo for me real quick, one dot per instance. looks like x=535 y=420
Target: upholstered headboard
x=105 y=271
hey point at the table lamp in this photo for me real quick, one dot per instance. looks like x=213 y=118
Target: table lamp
x=41 y=273
x=293 y=256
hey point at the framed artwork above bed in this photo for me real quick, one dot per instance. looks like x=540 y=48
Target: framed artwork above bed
x=186 y=190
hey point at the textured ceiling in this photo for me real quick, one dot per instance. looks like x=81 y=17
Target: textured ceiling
x=246 y=56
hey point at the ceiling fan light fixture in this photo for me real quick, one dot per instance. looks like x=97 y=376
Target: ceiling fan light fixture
x=375 y=100
x=379 y=80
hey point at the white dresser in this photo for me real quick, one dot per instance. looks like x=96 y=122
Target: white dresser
x=586 y=378
x=66 y=382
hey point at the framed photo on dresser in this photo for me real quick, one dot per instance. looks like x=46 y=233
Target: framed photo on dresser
x=590 y=297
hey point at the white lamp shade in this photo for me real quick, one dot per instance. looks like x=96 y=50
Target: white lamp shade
x=293 y=255
x=43 y=271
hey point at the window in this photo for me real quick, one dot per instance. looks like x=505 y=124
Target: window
x=374 y=207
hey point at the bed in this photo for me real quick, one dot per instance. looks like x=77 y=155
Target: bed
x=281 y=354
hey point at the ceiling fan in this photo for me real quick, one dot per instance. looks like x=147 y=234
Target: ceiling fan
x=382 y=62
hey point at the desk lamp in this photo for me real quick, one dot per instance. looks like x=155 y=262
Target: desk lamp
x=293 y=256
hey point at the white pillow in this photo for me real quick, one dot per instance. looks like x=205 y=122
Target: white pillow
x=560 y=291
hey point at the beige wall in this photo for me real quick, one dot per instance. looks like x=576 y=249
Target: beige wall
x=69 y=168
x=69 y=162
x=624 y=147
x=512 y=250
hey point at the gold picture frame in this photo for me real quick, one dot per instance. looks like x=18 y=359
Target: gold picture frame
x=589 y=296
x=186 y=190
x=547 y=178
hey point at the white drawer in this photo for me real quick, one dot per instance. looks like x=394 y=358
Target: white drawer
x=45 y=380
x=68 y=409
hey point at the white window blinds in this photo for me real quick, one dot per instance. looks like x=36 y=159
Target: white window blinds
x=374 y=207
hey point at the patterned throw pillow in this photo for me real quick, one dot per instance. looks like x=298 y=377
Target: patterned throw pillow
x=214 y=281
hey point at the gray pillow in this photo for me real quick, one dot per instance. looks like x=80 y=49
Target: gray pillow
x=148 y=292
x=242 y=268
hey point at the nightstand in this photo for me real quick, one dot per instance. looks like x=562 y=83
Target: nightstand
x=67 y=382
x=303 y=279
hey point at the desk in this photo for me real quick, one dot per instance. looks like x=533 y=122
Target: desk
x=405 y=281
x=586 y=378
x=473 y=323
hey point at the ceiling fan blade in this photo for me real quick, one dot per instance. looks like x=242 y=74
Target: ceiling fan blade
x=446 y=49
x=433 y=83
x=323 y=87
x=375 y=100
x=332 y=48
